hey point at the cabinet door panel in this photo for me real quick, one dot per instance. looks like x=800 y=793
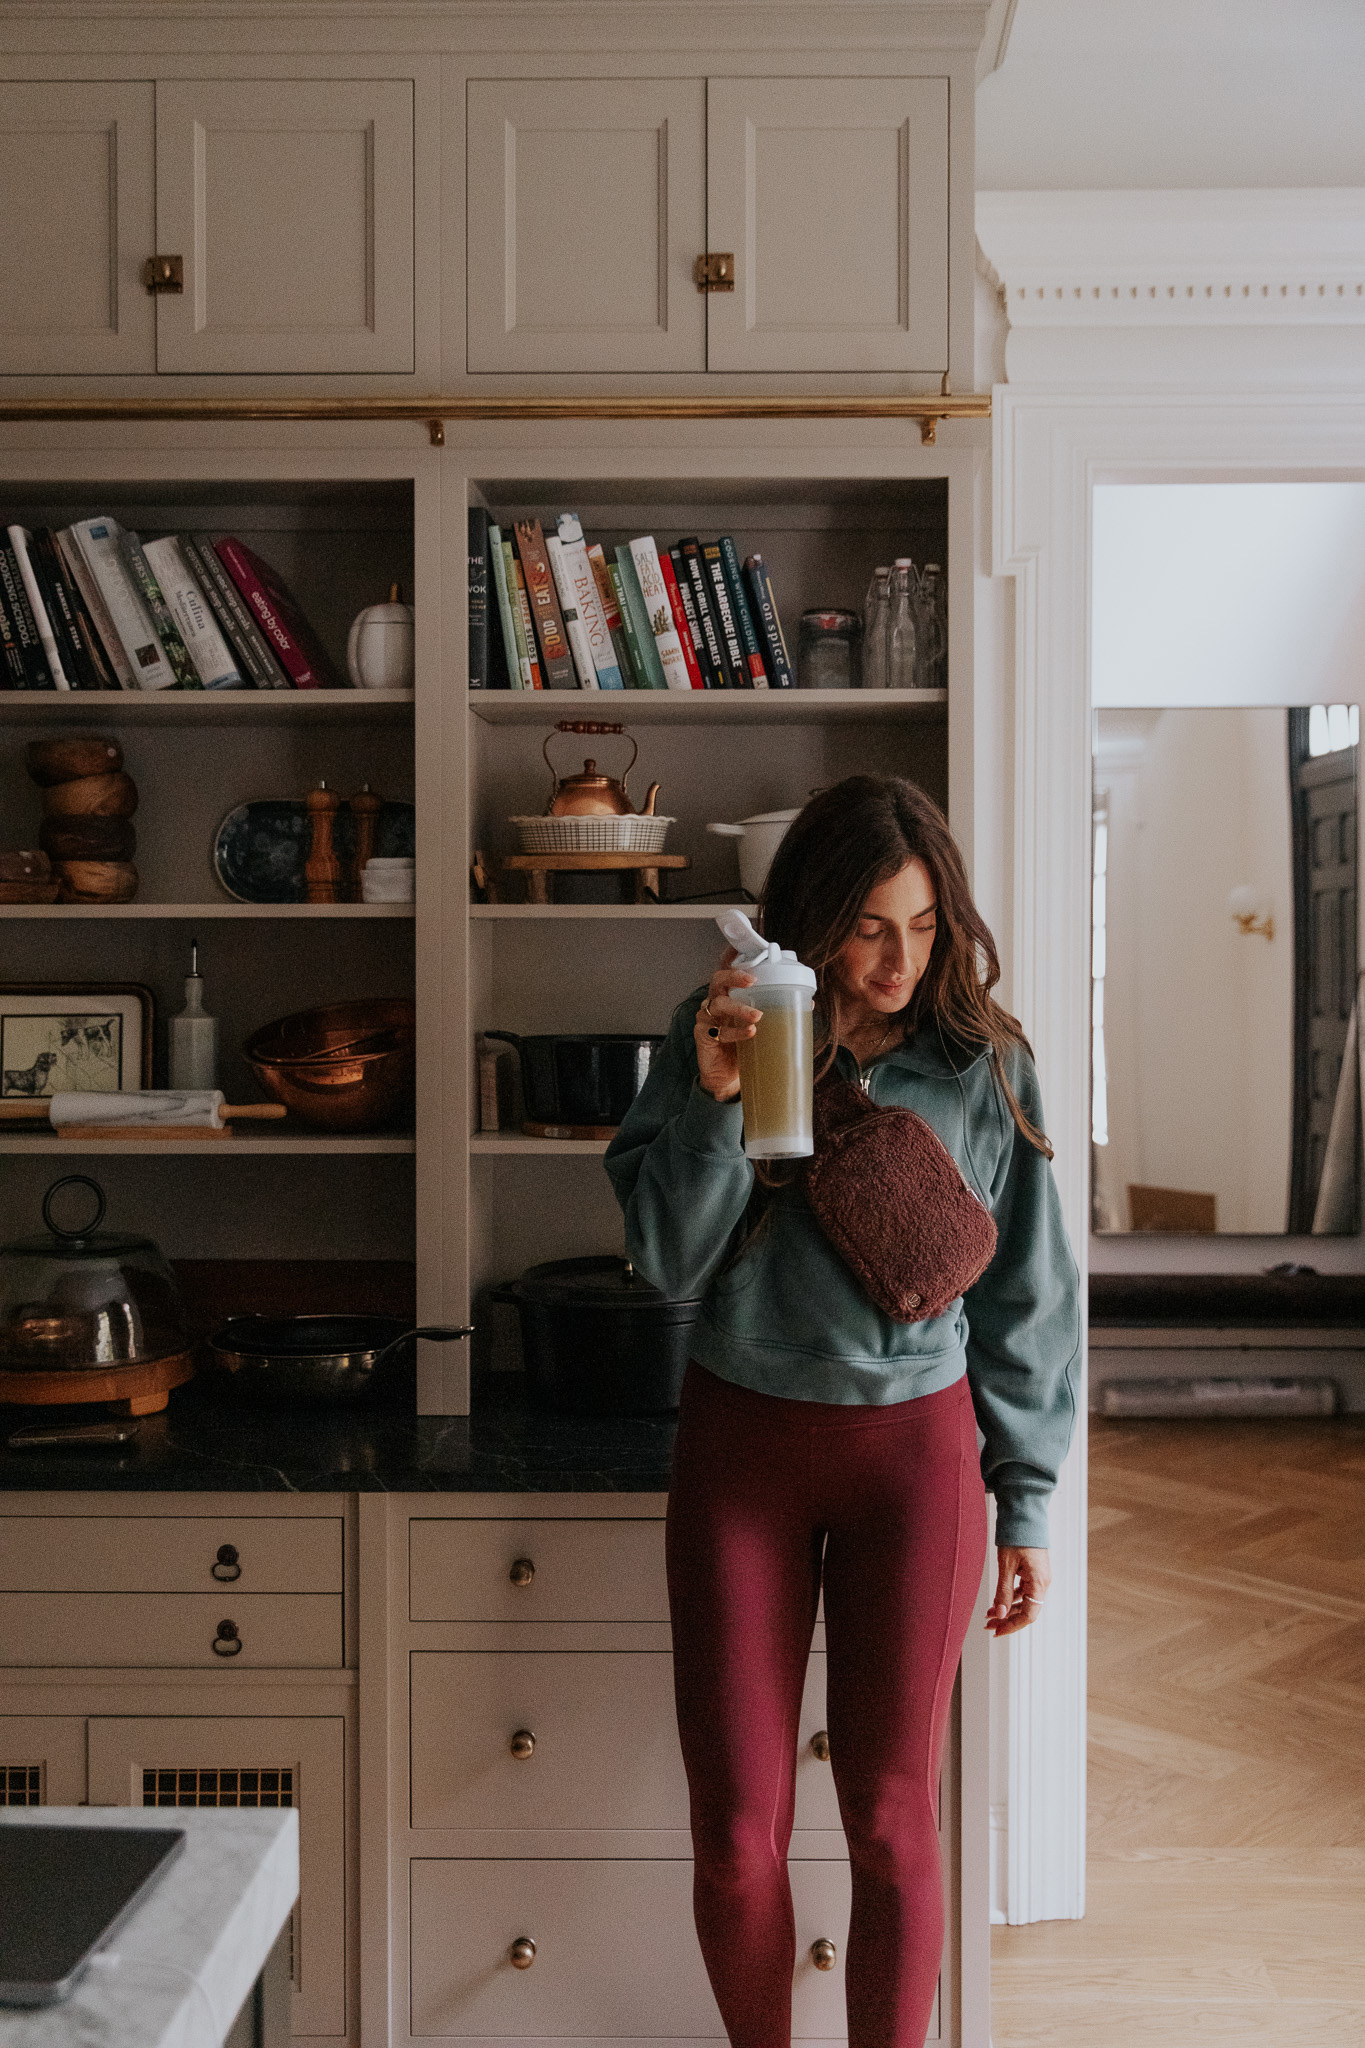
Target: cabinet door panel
x=169 y=1554
x=582 y=1571
x=241 y=1761
x=161 y=1631
x=42 y=1760
x=76 y=225
x=832 y=195
x=586 y=213
x=292 y=207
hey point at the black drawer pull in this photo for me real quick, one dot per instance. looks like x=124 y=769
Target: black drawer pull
x=227 y=1642
x=226 y=1565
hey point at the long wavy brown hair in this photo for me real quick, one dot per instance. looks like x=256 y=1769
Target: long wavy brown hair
x=847 y=841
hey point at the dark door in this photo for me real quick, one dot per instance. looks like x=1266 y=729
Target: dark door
x=1323 y=812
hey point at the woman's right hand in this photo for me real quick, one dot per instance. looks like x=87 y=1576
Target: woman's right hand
x=721 y=1027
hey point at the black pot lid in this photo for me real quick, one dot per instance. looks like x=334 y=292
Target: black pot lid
x=604 y=1281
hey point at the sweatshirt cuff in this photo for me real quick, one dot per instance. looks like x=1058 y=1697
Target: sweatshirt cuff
x=1021 y=1520
x=706 y=1125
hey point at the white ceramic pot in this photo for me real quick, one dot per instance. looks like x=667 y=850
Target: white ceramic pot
x=759 y=839
x=379 y=648
x=388 y=881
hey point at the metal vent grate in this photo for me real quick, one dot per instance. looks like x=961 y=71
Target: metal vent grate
x=21 y=1784
x=217 y=1787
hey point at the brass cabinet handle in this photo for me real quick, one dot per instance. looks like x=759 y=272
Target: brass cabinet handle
x=522 y=1953
x=824 y=1954
x=522 y=1572
x=819 y=1745
x=227 y=1565
x=227 y=1642
x=715 y=273
x=522 y=1743
x=164 y=273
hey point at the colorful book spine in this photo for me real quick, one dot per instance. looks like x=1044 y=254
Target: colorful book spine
x=23 y=622
x=254 y=653
x=497 y=562
x=556 y=659
x=153 y=597
x=589 y=604
x=769 y=625
x=649 y=667
x=680 y=625
x=519 y=653
x=615 y=617
x=690 y=550
x=97 y=540
x=20 y=540
x=659 y=612
x=739 y=607
x=214 y=662
x=295 y=645
x=477 y=566
x=688 y=599
x=639 y=672
x=98 y=625
x=526 y=622
x=76 y=658
x=725 y=618
x=575 y=632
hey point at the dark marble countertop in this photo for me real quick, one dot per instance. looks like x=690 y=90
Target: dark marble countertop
x=206 y=1442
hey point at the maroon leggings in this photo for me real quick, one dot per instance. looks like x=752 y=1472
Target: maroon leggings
x=887 y=1505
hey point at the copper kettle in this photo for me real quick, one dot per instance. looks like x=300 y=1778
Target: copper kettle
x=590 y=794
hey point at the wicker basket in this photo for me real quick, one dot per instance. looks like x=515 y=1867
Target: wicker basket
x=633 y=832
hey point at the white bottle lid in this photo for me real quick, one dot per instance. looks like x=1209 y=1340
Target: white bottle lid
x=768 y=964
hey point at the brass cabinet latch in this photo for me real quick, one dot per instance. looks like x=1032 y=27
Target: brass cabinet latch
x=714 y=273
x=164 y=273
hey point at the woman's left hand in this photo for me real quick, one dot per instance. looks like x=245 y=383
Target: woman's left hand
x=1020 y=1589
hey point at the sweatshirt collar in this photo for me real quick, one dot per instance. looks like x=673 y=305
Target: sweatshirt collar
x=926 y=1054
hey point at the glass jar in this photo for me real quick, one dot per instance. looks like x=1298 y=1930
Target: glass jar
x=829 y=651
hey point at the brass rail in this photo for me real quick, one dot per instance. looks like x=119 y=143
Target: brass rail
x=927 y=410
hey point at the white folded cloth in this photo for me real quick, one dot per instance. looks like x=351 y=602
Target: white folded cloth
x=140 y=1106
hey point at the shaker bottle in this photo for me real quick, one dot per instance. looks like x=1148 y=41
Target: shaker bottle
x=776 y=1065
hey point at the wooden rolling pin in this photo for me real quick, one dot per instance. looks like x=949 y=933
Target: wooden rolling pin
x=34 y=1109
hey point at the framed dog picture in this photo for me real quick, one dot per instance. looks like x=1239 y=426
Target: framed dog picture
x=74 y=1038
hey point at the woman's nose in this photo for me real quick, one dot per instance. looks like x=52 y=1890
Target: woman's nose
x=898 y=952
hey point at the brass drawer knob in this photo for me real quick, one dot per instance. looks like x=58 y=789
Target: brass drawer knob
x=523 y=1743
x=522 y=1572
x=164 y=273
x=824 y=1954
x=227 y=1565
x=819 y=1745
x=227 y=1642
x=522 y=1953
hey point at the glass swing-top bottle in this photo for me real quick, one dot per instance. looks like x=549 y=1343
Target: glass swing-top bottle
x=902 y=639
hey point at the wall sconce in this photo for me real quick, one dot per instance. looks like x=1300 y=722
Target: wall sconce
x=1250 y=911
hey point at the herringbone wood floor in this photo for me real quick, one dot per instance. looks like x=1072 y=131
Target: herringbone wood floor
x=1226 y=1872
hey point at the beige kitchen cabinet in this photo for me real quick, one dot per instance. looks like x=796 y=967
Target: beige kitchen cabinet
x=288 y=203
x=530 y=1570
x=589 y=203
x=151 y=1631
x=171 y=1553
x=76 y=224
x=42 y=1760
x=587 y=210
x=243 y=1760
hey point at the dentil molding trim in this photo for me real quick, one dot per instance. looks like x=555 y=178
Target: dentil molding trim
x=1172 y=259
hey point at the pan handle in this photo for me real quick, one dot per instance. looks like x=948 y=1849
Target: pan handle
x=435 y=1333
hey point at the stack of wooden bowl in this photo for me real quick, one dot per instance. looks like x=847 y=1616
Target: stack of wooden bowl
x=26 y=877
x=88 y=805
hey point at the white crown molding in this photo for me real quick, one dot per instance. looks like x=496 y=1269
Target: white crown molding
x=1176 y=259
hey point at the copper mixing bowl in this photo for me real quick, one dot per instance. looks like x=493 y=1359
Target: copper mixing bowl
x=345 y=1067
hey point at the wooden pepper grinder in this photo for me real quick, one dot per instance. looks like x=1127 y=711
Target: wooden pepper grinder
x=365 y=809
x=322 y=869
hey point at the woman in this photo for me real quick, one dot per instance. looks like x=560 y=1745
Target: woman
x=820 y=1442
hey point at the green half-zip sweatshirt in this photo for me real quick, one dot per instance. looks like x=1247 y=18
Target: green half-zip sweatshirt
x=784 y=1315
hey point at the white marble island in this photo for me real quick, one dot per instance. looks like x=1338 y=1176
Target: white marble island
x=204 y=1958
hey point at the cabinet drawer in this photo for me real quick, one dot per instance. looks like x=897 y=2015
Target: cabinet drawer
x=170 y=1554
x=580 y=1571
x=165 y=1630
x=606 y=1746
x=616 y=1951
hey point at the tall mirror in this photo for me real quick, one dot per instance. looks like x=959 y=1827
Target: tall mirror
x=1225 y=1055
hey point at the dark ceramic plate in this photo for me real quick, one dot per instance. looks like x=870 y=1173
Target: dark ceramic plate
x=260 y=847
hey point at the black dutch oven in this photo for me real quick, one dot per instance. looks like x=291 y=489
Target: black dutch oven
x=598 y=1340
x=581 y=1077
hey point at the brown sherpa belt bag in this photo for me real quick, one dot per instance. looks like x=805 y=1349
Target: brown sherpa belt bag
x=891 y=1199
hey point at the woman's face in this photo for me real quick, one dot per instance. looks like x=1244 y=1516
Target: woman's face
x=882 y=962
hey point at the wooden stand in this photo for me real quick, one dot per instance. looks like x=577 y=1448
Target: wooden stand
x=538 y=868
x=131 y=1389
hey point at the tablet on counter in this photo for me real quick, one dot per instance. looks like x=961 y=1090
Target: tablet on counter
x=63 y=1893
